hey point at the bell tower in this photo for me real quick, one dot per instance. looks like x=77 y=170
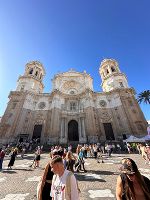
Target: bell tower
x=112 y=77
x=32 y=78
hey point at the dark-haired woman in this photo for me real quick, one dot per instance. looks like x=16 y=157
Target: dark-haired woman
x=131 y=185
x=13 y=155
x=44 y=186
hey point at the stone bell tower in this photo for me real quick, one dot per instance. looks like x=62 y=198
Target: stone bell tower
x=112 y=77
x=32 y=78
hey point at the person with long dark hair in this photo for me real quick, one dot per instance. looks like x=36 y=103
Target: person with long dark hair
x=13 y=155
x=44 y=187
x=131 y=185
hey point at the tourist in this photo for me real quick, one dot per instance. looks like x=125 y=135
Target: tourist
x=95 y=150
x=138 y=148
x=129 y=148
x=143 y=153
x=37 y=157
x=23 y=151
x=148 y=152
x=44 y=186
x=64 y=184
x=131 y=185
x=2 y=155
x=80 y=164
x=70 y=161
x=13 y=155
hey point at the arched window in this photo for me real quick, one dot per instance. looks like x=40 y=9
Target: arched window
x=31 y=71
x=22 y=87
x=36 y=73
x=113 y=69
x=121 y=84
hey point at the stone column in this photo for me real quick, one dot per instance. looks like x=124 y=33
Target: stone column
x=63 y=134
x=83 y=138
x=65 y=131
x=83 y=128
x=62 y=129
x=80 y=131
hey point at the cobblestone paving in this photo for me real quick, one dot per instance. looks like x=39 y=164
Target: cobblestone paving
x=98 y=183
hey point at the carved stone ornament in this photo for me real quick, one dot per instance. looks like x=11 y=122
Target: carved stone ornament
x=102 y=103
x=69 y=86
x=42 y=105
x=105 y=116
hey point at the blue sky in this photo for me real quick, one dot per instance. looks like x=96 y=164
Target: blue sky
x=64 y=34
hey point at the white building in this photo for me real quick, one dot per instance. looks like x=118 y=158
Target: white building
x=72 y=111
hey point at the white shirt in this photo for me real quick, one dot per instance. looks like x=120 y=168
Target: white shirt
x=59 y=185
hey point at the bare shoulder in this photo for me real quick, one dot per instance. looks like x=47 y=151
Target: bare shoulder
x=119 y=180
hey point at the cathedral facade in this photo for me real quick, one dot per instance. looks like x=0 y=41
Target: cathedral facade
x=72 y=112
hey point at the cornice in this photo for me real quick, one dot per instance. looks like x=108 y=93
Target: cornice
x=31 y=77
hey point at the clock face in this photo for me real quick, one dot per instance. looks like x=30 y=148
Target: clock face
x=102 y=103
x=42 y=105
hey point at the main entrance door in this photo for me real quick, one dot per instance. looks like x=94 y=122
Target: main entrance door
x=37 y=131
x=109 y=131
x=73 y=134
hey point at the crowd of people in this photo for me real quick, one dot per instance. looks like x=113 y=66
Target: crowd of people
x=58 y=181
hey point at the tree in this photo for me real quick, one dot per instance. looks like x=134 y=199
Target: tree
x=144 y=97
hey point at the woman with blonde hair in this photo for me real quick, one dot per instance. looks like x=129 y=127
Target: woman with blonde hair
x=131 y=185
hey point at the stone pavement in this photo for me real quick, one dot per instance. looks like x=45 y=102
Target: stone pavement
x=98 y=183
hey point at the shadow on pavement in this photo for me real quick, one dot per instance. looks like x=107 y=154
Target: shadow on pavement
x=22 y=169
x=9 y=171
x=83 y=177
x=101 y=172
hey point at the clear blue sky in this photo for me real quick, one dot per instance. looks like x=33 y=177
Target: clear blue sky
x=65 y=34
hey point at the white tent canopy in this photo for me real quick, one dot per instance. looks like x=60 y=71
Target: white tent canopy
x=132 y=138
x=145 y=138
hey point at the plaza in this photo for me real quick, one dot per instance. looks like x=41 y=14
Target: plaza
x=99 y=182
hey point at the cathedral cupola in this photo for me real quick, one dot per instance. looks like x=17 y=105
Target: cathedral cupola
x=32 y=78
x=111 y=75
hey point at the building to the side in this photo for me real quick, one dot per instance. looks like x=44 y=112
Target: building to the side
x=72 y=111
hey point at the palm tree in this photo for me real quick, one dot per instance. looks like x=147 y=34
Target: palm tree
x=144 y=97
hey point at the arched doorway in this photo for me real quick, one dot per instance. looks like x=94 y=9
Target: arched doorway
x=109 y=131
x=37 y=131
x=73 y=134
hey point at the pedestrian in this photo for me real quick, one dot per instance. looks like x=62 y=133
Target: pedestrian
x=131 y=185
x=129 y=148
x=23 y=152
x=148 y=153
x=13 y=155
x=64 y=184
x=2 y=155
x=80 y=164
x=44 y=186
x=70 y=161
x=37 y=157
x=144 y=153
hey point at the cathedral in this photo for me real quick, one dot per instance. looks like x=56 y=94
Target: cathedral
x=72 y=111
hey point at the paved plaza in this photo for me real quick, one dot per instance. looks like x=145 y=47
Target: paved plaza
x=98 y=183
